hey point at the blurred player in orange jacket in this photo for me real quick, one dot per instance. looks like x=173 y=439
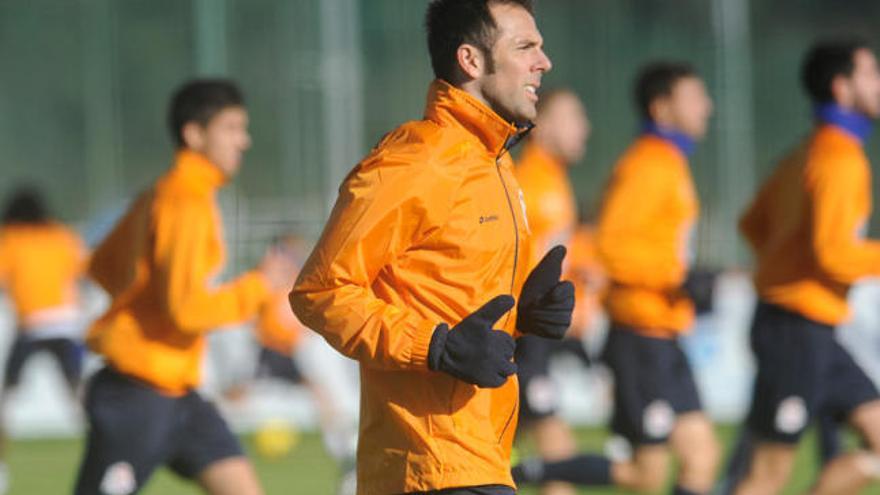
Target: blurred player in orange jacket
x=159 y=266
x=807 y=227
x=645 y=225
x=41 y=263
x=557 y=142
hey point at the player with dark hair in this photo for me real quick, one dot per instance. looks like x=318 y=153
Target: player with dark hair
x=158 y=265
x=807 y=228
x=422 y=272
x=41 y=264
x=645 y=224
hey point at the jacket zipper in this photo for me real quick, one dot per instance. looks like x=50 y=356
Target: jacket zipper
x=513 y=216
x=515 y=264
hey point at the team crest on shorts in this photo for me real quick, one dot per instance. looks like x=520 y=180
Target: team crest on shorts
x=791 y=415
x=658 y=419
x=118 y=479
x=541 y=392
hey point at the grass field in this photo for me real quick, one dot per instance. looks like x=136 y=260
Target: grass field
x=48 y=467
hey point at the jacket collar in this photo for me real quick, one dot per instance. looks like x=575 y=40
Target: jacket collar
x=853 y=123
x=195 y=169
x=682 y=141
x=449 y=105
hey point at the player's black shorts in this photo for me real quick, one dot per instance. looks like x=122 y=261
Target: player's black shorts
x=134 y=429
x=653 y=384
x=68 y=353
x=538 y=396
x=276 y=365
x=473 y=490
x=802 y=370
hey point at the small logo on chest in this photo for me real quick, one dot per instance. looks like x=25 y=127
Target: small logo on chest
x=488 y=218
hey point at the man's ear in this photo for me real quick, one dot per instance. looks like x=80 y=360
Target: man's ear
x=841 y=91
x=471 y=61
x=660 y=111
x=193 y=135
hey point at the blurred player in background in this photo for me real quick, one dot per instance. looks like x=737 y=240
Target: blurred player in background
x=290 y=352
x=41 y=264
x=807 y=227
x=423 y=255
x=159 y=265
x=645 y=227
x=557 y=142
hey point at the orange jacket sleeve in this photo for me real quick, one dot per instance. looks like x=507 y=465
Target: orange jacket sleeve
x=380 y=213
x=633 y=248
x=839 y=197
x=183 y=231
x=4 y=262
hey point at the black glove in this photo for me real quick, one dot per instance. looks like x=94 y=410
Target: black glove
x=545 y=303
x=472 y=351
x=700 y=287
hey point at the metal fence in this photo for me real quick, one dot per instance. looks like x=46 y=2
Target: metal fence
x=84 y=86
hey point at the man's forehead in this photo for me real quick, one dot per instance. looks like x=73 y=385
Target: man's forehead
x=515 y=23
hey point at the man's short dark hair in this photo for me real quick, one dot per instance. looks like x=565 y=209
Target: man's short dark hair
x=452 y=23
x=25 y=206
x=825 y=61
x=200 y=101
x=657 y=80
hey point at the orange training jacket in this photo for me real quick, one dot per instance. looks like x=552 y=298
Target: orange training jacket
x=647 y=218
x=39 y=267
x=157 y=265
x=426 y=229
x=549 y=198
x=807 y=226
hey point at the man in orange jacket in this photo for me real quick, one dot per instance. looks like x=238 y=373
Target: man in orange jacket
x=557 y=142
x=158 y=266
x=423 y=255
x=41 y=265
x=645 y=224
x=807 y=228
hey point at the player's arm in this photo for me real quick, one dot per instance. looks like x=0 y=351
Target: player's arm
x=377 y=217
x=276 y=322
x=632 y=250
x=838 y=228
x=183 y=231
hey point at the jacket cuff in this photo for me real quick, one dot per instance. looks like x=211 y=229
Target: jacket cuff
x=436 y=346
x=421 y=343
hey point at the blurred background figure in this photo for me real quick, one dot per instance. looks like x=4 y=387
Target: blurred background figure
x=807 y=227
x=645 y=232
x=291 y=353
x=159 y=265
x=41 y=263
x=557 y=142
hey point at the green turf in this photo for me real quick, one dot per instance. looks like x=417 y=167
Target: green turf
x=48 y=467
